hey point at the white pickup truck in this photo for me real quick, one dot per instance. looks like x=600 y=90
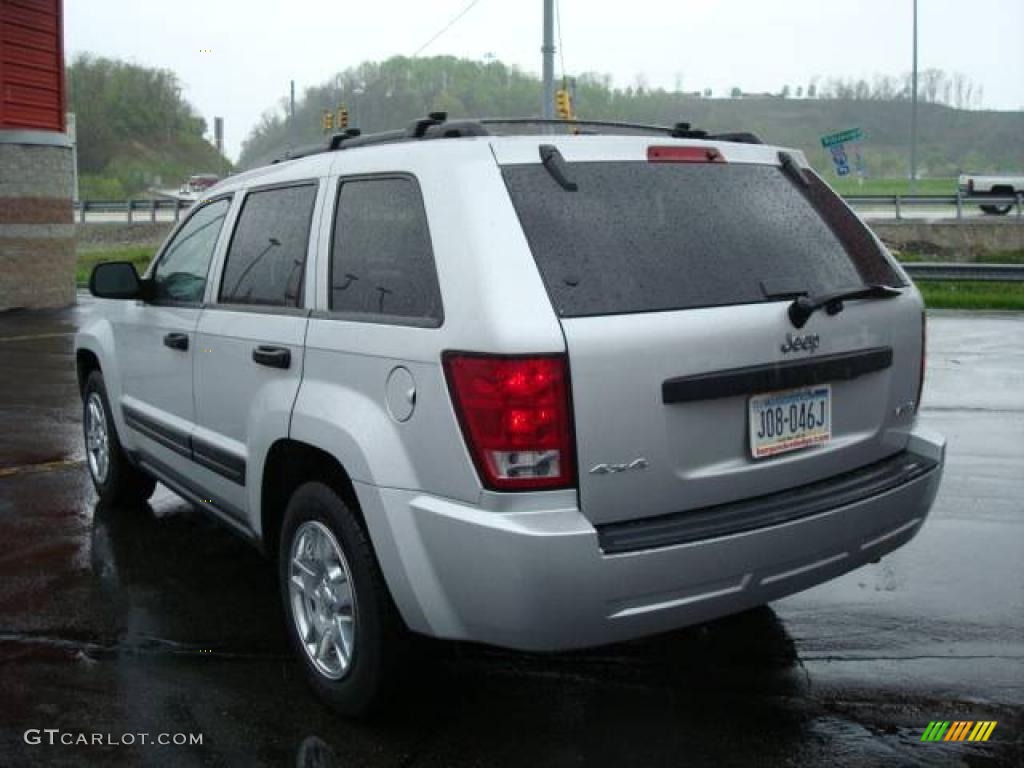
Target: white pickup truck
x=994 y=186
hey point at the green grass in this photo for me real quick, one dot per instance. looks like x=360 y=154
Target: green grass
x=972 y=295
x=849 y=186
x=1004 y=257
x=139 y=255
x=1000 y=257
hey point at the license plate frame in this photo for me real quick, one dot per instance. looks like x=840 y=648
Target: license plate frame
x=772 y=435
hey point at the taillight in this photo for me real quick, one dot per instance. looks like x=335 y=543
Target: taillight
x=515 y=417
x=924 y=346
x=684 y=155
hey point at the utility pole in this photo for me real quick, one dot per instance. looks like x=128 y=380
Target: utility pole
x=913 y=110
x=548 y=49
x=291 y=119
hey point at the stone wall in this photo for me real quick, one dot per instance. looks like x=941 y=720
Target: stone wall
x=967 y=240
x=37 y=236
x=108 y=235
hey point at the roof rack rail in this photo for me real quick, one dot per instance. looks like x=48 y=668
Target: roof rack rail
x=437 y=126
x=433 y=126
x=683 y=131
x=741 y=137
x=676 y=131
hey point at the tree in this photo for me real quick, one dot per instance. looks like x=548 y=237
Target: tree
x=116 y=102
x=735 y=93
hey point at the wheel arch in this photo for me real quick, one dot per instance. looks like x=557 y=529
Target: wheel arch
x=86 y=361
x=289 y=464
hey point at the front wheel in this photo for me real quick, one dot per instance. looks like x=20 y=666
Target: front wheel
x=341 y=619
x=117 y=480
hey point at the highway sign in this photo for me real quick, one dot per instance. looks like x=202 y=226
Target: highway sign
x=854 y=134
x=842 y=163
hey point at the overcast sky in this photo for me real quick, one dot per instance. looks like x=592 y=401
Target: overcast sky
x=257 y=46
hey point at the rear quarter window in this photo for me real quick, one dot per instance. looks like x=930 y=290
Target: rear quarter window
x=382 y=262
x=644 y=237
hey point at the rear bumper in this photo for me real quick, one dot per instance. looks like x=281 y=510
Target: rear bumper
x=538 y=580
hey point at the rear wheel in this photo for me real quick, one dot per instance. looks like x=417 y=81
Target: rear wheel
x=117 y=480
x=999 y=210
x=341 y=620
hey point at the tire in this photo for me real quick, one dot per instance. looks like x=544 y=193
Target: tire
x=996 y=210
x=117 y=480
x=331 y=586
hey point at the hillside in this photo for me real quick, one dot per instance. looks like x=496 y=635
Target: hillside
x=134 y=129
x=389 y=94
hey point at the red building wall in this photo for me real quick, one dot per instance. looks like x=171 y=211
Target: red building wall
x=32 y=65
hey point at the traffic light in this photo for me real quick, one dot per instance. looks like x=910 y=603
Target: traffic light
x=341 y=123
x=327 y=121
x=563 y=104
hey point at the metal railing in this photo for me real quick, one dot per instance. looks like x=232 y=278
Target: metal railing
x=919 y=270
x=957 y=201
x=134 y=210
x=171 y=209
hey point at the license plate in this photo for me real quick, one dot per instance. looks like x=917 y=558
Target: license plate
x=790 y=420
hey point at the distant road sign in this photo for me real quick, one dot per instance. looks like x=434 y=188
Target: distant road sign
x=839 y=158
x=854 y=134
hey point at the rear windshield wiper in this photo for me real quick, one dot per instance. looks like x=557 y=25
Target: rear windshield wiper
x=556 y=166
x=805 y=306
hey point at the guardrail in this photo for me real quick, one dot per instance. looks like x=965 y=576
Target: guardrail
x=920 y=270
x=958 y=201
x=148 y=208
x=152 y=210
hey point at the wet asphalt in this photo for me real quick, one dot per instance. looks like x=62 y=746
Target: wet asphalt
x=156 y=620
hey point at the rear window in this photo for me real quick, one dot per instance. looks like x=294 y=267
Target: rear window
x=646 y=237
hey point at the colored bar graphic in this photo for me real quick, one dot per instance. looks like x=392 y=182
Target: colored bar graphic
x=958 y=730
x=935 y=730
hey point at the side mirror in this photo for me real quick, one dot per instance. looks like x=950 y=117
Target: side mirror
x=115 y=280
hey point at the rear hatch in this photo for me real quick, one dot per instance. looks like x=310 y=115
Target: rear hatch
x=672 y=272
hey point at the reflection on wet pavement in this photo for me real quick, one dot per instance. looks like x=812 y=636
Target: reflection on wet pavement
x=156 y=620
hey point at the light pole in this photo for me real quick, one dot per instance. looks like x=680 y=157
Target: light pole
x=913 y=110
x=548 y=50
x=357 y=115
x=291 y=118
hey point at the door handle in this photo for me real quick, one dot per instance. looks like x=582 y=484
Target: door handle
x=176 y=340
x=275 y=357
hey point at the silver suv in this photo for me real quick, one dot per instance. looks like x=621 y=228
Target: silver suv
x=539 y=391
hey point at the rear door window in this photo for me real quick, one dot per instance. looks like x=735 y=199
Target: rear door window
x=645 y=237
x=266 y=259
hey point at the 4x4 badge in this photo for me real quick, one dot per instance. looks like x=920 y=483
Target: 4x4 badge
x=793 y=343
x=609 y=469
